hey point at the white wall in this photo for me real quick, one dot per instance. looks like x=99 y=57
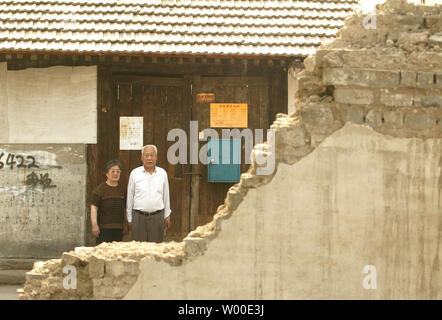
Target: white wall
x=48 y=105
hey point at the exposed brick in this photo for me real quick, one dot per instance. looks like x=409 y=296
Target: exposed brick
x=384 y=79
x=354 y=115
x=419 y=121
x=393 y=119
x=346 y=77
x=353 y=96
x=439 y=80
x=428 y=101
x=292 y=135
x=408 y=78
x=396 y=99
x=332 y=59
x=361 y=77
x=374 y=118
x=425 y=80
x=317 y=115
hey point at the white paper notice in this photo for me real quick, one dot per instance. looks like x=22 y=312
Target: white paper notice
x=131 y=133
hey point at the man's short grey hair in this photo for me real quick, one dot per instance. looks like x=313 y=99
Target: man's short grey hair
x=150 y=146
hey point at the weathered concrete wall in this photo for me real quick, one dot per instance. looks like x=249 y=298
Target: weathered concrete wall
x=38 y=104
x=358 y=183
x=42 y=199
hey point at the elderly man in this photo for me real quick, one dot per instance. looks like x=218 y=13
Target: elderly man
x=148 y=204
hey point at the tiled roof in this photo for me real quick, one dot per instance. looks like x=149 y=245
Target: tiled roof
x=171 y=27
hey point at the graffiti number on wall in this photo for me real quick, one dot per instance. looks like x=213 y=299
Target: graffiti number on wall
x=21 y=162
x=33 y=180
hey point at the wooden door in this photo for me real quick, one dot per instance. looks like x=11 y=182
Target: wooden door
x=164 y=104
x=251 y=90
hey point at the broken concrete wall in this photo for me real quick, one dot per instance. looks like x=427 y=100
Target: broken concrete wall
x=357 y=188
x=42 y=199
x=359 y=199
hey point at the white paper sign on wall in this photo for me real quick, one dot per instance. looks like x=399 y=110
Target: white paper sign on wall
x=131 y=133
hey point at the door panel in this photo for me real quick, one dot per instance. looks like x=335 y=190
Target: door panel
x=251 y=90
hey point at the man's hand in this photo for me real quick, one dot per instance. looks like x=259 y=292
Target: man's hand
x=129 y=224
x=95 y=230
x=167 y=222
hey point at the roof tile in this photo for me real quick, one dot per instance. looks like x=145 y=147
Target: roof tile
x=215 y=27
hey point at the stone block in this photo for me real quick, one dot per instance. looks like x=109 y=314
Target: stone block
x=408 y=78
x=96 y=267
x=317 y=116
x=439 y=80
x=419 y=121
x=333 y=60
x=428 y=101
x=310 y=64
x=353 y=96
x=308 y=85
x=384 y=79
x=291 y=135
x=195 y=246
x=346 y=77
x=360 y=77
x=434 y=22
x=435 y=40
x=393 y=119
x=354 y=115
x=117 y=268
x=410 y=20
x=71 y=259
x=374 y=118
x=425 y=80
x=396 y=99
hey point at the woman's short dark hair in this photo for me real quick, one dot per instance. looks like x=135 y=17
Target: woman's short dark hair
x=110 y=164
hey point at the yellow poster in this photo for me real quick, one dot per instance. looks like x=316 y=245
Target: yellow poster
x=228 y=115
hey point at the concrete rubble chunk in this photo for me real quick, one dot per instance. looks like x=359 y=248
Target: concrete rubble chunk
x=69 y=258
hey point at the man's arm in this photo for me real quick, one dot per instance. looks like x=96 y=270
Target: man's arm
x=95 y=228
x=166 y=200
x=130 y=198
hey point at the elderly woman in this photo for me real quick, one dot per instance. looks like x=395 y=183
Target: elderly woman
x=108 y=214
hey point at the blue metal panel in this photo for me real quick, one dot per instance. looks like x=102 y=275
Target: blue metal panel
x=224 y=160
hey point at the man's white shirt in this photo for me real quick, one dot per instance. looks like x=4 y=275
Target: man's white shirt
x=148 y=192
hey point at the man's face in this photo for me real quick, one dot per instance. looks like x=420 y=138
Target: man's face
x=149 y=158
x=113 y=174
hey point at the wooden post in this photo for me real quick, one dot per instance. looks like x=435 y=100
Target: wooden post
x=195 y=168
